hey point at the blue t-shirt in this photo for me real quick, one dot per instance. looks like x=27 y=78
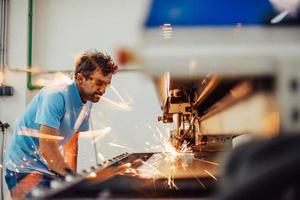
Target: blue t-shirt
x=56 y=106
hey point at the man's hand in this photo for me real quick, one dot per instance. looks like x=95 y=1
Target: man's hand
x=49 y=149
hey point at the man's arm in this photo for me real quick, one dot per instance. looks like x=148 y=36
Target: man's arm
x=71 y=152
x=49 y=149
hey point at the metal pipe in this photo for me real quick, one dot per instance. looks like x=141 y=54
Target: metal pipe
x=2 y=45
x=30 y=86
x=5 y=34
x=1 y=35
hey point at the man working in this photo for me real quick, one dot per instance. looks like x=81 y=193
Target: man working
x=45 y=141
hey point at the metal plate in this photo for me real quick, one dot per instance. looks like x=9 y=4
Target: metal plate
x=145 y=175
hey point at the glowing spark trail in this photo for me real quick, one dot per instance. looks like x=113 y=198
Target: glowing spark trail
x=211 y=175
x=120 y=146
x=118 y=94
x=92 y=175
x=123 y=106
x=206 y=161
x=37 y=134
x=101 y=156
x=59 y=79
x=82 y=115
x=170 y=182
x=200 y=182
x=95 y=134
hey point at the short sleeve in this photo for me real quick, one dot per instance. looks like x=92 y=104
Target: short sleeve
x=50 y=110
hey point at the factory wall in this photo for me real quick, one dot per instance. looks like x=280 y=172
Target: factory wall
x=63 y=28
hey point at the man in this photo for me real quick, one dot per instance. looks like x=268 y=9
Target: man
x=45 y=142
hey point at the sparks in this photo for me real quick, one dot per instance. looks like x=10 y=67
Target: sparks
x=92 y=175
x=211 y=174
x=58 y=79
x=35 y=133
x=85 y=111
x=155 y=170
x=117 y=145
x=171 y=183
x=95 y=134
x=118 y=94
x=101 y=156
x=131 y=172
x=200 y=182
x=127 y=165
x=122 y=106
x=206 y=161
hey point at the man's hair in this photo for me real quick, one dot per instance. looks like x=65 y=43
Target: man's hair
x=87 y=63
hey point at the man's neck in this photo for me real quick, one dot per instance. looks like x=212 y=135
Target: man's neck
x=81 y=94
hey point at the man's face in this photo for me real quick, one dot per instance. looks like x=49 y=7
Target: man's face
x=93 y=87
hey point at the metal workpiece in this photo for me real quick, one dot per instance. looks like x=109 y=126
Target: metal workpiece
x=144 y=175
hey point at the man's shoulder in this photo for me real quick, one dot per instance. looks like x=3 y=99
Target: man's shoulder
x=55 y=91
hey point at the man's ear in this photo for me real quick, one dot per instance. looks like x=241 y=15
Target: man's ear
x=80 y=78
